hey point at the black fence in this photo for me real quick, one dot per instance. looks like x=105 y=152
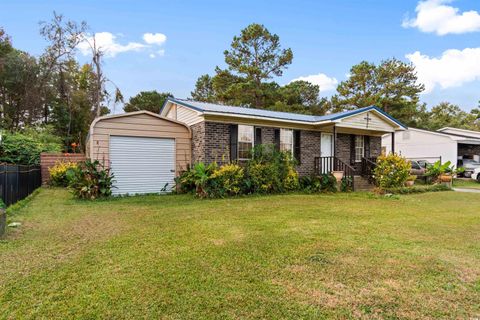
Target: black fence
x=17 y=182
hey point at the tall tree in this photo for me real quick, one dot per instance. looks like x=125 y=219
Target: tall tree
x=392 y=86
x=254 y=58
x=204 y=89
x=147 y=100
x=257 y=56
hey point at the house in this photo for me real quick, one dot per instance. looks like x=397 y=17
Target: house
x=145 y=151
x=446 y=144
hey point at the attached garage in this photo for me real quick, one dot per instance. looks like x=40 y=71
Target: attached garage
x=144 y=151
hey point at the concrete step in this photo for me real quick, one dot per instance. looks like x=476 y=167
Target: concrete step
x=362 y=184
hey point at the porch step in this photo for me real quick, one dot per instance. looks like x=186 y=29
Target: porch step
x=362 y=184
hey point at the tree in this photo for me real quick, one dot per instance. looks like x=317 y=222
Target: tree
x=204 y=89
x=446 y=114
x=147 y=100
x=392 y=86
x=255 y=57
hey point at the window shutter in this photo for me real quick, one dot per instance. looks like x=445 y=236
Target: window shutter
x=258 y=136
x=352 y=149
x=233 y=142
x=366 y=146
x=277 y=139
x=296 y=145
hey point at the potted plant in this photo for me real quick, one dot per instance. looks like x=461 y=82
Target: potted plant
x=338 y=175
x=410 y=180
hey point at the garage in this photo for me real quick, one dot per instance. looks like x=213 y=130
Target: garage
x=144 y=151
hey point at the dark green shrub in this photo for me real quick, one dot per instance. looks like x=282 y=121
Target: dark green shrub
x=321 y=183
x=91 y=180
x=271 y=171
x=25 y=147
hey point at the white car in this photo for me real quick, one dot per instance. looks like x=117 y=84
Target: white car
x=476 y=174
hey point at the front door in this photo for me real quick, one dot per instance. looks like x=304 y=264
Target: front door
x=326 y=152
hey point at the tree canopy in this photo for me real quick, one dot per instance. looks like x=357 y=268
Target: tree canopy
x=147 y=100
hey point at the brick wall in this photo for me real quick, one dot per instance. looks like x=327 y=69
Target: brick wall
x=211 y=143
x=468 y=149
x=309 y=149
x=217 y=142
x=198 y=142
x=48 y=160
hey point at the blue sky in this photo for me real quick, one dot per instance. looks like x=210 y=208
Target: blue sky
x=440 y=37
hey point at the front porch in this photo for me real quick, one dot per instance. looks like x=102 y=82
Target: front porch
x=352 y=146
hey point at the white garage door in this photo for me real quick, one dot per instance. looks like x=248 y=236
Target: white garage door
x=142 y=165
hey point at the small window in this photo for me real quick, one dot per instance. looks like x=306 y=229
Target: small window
x=245 y=142
x=286 y=140
x=359 y=148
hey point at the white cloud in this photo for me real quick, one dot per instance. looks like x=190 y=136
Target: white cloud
x=107 y=43
x=322 y=80
x=452 y=69
x=437 y=16
x=155 y=38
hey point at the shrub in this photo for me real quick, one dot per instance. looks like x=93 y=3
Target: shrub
x=321 y=183
x=58 y=173
x=392 y=171
x=271 y=171
x=91 y=180
x=25 y=147
x=225 y=181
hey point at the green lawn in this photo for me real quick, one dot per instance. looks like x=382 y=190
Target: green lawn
x=466 y=184
x=289 y=256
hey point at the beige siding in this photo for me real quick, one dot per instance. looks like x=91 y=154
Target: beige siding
x=139 y=125
x=187 y=115
x=172 y=113
x=358 y=121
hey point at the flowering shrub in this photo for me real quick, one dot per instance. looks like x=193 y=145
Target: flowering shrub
x=58 y=173
x=392 y=171
x=225 y=181
x=90 y=180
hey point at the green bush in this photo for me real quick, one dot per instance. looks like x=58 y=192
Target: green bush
x=24 y=147
x=322 y=183
x=91 y=180
x=271 y=171
x=392 y=171
x=2 y=204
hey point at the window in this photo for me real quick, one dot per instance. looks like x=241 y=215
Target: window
x=245 y=142
x=286 y=140
x=359 y=148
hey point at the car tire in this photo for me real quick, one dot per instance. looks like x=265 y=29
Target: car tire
x=467 y=174
x=478 y=177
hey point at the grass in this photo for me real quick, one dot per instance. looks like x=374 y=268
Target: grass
x=276 y=257
x=466 y=184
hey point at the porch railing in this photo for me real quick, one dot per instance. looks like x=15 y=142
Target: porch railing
x=368 y=167
x=325 y=165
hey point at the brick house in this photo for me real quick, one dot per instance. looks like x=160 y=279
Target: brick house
x=345 y=141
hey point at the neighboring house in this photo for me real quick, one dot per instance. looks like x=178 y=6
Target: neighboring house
x=446 y=144
x=320 y=144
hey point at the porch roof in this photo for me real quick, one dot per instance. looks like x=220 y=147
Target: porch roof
x=246 y=112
